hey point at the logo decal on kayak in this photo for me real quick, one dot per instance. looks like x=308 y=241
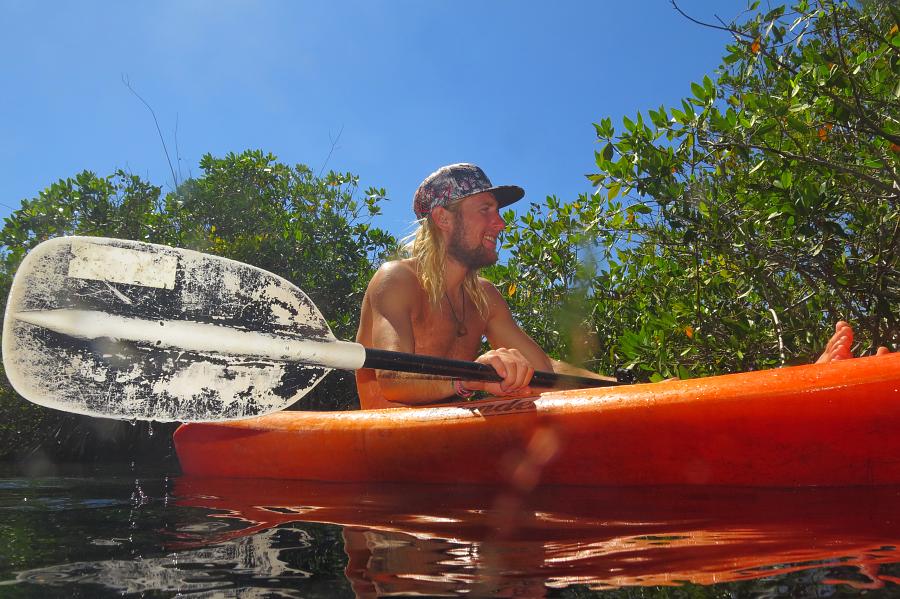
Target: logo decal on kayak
x=503 y=406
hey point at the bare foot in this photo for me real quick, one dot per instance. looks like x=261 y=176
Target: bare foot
x=838 y=347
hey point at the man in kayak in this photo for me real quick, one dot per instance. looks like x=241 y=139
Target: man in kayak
x=435 y=303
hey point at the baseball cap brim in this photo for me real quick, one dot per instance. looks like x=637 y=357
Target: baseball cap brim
x=507 y=194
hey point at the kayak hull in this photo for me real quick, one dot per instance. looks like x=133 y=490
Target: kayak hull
x=818 y=425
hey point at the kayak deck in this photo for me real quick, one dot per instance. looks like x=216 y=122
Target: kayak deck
x=818 y=425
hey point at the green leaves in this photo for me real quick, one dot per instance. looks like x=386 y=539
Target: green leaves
x=705 y=93
x=784 y=181
x=608 y=152
x=771 y=188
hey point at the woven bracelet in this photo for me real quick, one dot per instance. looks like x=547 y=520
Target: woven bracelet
x=460 y=390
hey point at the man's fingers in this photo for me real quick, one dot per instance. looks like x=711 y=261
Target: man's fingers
x=494 y=361
x=514 y=376
x=499 y=366
x=525 y=378
x=511 y=365
x=519 y=369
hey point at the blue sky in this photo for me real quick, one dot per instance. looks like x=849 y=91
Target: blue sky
x=396 y=88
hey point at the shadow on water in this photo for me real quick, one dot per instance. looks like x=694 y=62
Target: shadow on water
x=107 y=534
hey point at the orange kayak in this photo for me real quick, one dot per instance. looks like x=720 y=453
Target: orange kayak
x=819 y=425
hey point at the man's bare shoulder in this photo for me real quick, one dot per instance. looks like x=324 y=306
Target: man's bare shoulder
x=494 y=297
x=396 y=272
x=395 y=282
x=487 y=286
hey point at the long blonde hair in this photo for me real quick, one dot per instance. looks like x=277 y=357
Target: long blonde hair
x=428 y=247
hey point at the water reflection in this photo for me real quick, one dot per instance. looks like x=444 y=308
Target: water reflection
x=96 y=536
x=248 y=562
x=476 y=541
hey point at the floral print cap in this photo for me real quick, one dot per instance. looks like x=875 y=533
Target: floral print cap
x=455 y=182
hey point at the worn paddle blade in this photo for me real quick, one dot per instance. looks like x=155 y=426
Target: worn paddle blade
x=69 y=284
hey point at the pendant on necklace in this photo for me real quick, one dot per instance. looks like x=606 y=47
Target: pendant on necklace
x=461 y=329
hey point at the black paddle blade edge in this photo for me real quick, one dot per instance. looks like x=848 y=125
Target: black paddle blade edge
x=469 y=371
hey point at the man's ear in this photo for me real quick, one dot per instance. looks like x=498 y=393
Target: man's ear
x=442 y=218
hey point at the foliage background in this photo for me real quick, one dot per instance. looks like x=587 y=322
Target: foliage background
x=313 y=231
x=731 y=232
x=725 y=234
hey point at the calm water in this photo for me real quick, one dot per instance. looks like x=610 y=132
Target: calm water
x=136 y=531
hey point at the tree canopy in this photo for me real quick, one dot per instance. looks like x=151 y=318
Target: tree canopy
x=731 y=231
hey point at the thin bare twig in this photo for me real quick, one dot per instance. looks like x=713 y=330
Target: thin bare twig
x=156 y=122
x=177 y=151
x=331 y=151
x=701 y=23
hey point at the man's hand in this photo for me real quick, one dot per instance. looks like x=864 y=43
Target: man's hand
x=512 y=366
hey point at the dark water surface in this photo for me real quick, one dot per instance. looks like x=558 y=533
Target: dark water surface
x=139 y=531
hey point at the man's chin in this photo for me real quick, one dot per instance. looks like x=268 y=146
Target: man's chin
x=475 y=258
x=488 y=258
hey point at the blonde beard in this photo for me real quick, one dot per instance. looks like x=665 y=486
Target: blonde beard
x=428 y=248
x=472 y=258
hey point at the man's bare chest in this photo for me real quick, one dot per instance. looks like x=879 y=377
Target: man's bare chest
x=437 y=333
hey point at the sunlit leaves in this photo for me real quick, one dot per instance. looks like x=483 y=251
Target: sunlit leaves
x=773 y=187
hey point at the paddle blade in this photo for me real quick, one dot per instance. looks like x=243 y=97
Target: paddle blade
x=125 y=372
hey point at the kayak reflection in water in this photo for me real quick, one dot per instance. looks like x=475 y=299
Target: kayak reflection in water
x=434 y=303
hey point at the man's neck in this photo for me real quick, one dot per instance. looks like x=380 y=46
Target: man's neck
x=454 y=275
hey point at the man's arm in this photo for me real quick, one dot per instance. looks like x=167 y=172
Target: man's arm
x=503 y=331
x=391 y=296
x=515 y=356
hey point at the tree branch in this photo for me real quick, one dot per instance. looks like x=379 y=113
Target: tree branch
x=730 y=30
x=817 y=161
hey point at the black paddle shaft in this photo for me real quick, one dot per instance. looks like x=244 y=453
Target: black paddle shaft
x=470 y=371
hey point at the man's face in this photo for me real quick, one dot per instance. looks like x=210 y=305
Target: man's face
x=477 y=225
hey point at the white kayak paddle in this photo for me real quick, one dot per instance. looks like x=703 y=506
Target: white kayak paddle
x=131 y=330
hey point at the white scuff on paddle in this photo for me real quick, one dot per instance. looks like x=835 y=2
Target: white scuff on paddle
x=98 y=262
